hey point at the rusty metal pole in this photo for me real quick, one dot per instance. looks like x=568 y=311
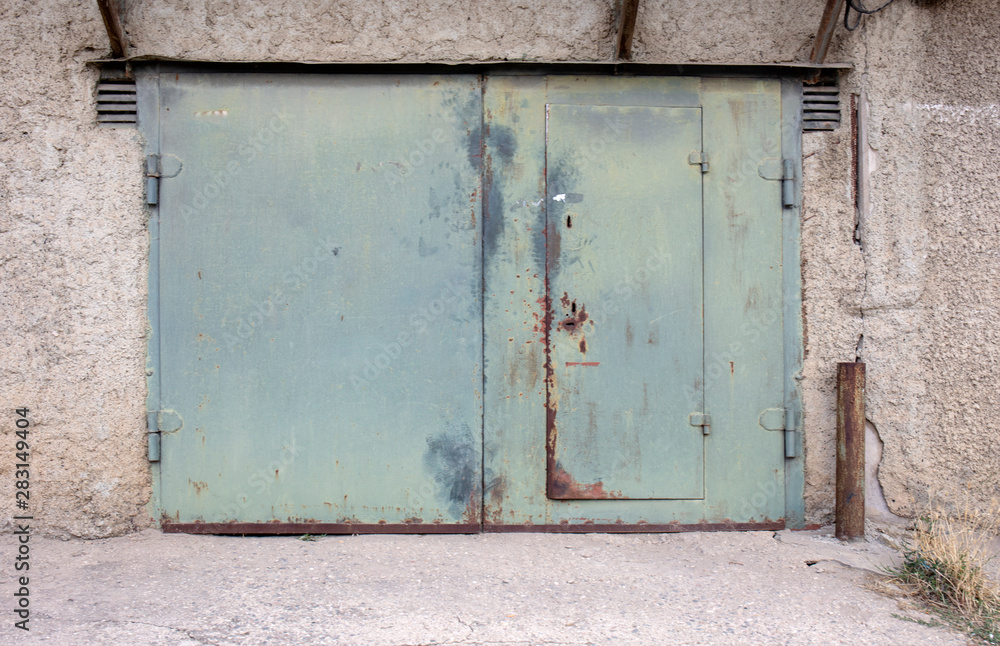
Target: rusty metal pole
x=850 y=451
x=827 y=25
x=110 y=10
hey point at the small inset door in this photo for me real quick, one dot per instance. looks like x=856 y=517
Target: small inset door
x=625 y=348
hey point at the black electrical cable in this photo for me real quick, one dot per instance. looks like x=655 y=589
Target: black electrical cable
x=859 y=7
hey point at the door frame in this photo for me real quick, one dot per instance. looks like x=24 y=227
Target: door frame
x=790 y=78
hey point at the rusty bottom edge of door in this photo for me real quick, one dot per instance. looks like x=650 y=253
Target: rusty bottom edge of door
x=640 y=528
x=462 y=528
x=320 y=528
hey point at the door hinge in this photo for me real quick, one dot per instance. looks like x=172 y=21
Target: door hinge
x=786 y=421
x=698 y=158
x=701 y=419
x=787 y=183
x=152 y=437
x=791 y=433
x=152 y=179
x=157 y=422
x=780 y=170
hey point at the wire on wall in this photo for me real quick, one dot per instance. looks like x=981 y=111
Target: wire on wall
x=858 y=6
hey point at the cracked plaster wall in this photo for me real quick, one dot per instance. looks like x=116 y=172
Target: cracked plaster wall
x=919 y=285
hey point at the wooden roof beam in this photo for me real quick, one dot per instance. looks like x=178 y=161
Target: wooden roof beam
x=112 y=23
x=626 y=10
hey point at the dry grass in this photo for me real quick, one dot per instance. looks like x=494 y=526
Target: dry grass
x=946 y=565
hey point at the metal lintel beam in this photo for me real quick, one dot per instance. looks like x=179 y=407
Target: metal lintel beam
x=827 y=24
x=627 y=10
x=109 y=11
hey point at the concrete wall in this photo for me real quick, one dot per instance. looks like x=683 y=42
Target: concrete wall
x=918 y=286
x=930 y=298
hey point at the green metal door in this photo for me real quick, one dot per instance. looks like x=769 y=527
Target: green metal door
x=455 y=303
x=634 y=341
x=319 y=312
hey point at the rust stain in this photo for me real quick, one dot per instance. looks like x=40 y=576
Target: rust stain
x=473 y=512
x=807 y=528
x=198 y=486
x=588 y=364
x=732 y=368
x=494 y=510
x=574 y=322
x=562 y=486
x=583 y=345
x=551 y=393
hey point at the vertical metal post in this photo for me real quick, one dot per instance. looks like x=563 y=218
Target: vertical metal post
x=850 y=451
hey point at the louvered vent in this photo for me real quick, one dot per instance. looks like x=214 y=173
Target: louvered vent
x=116 y=103
x=820 y=106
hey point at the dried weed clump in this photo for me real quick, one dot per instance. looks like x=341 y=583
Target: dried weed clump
x=946 y=564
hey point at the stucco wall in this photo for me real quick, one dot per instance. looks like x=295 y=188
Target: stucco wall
x=931 y=298
x=919 y=286
x=72 y=278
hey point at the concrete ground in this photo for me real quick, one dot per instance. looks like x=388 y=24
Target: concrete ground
x=714 y=588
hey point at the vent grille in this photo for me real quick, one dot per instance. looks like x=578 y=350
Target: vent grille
x=820 y=106
x=116 y=103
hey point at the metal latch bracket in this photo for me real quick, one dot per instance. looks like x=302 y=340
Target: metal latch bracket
x=701 y=419
x=698 y=158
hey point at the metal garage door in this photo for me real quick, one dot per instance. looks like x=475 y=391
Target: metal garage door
x=461 y=302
